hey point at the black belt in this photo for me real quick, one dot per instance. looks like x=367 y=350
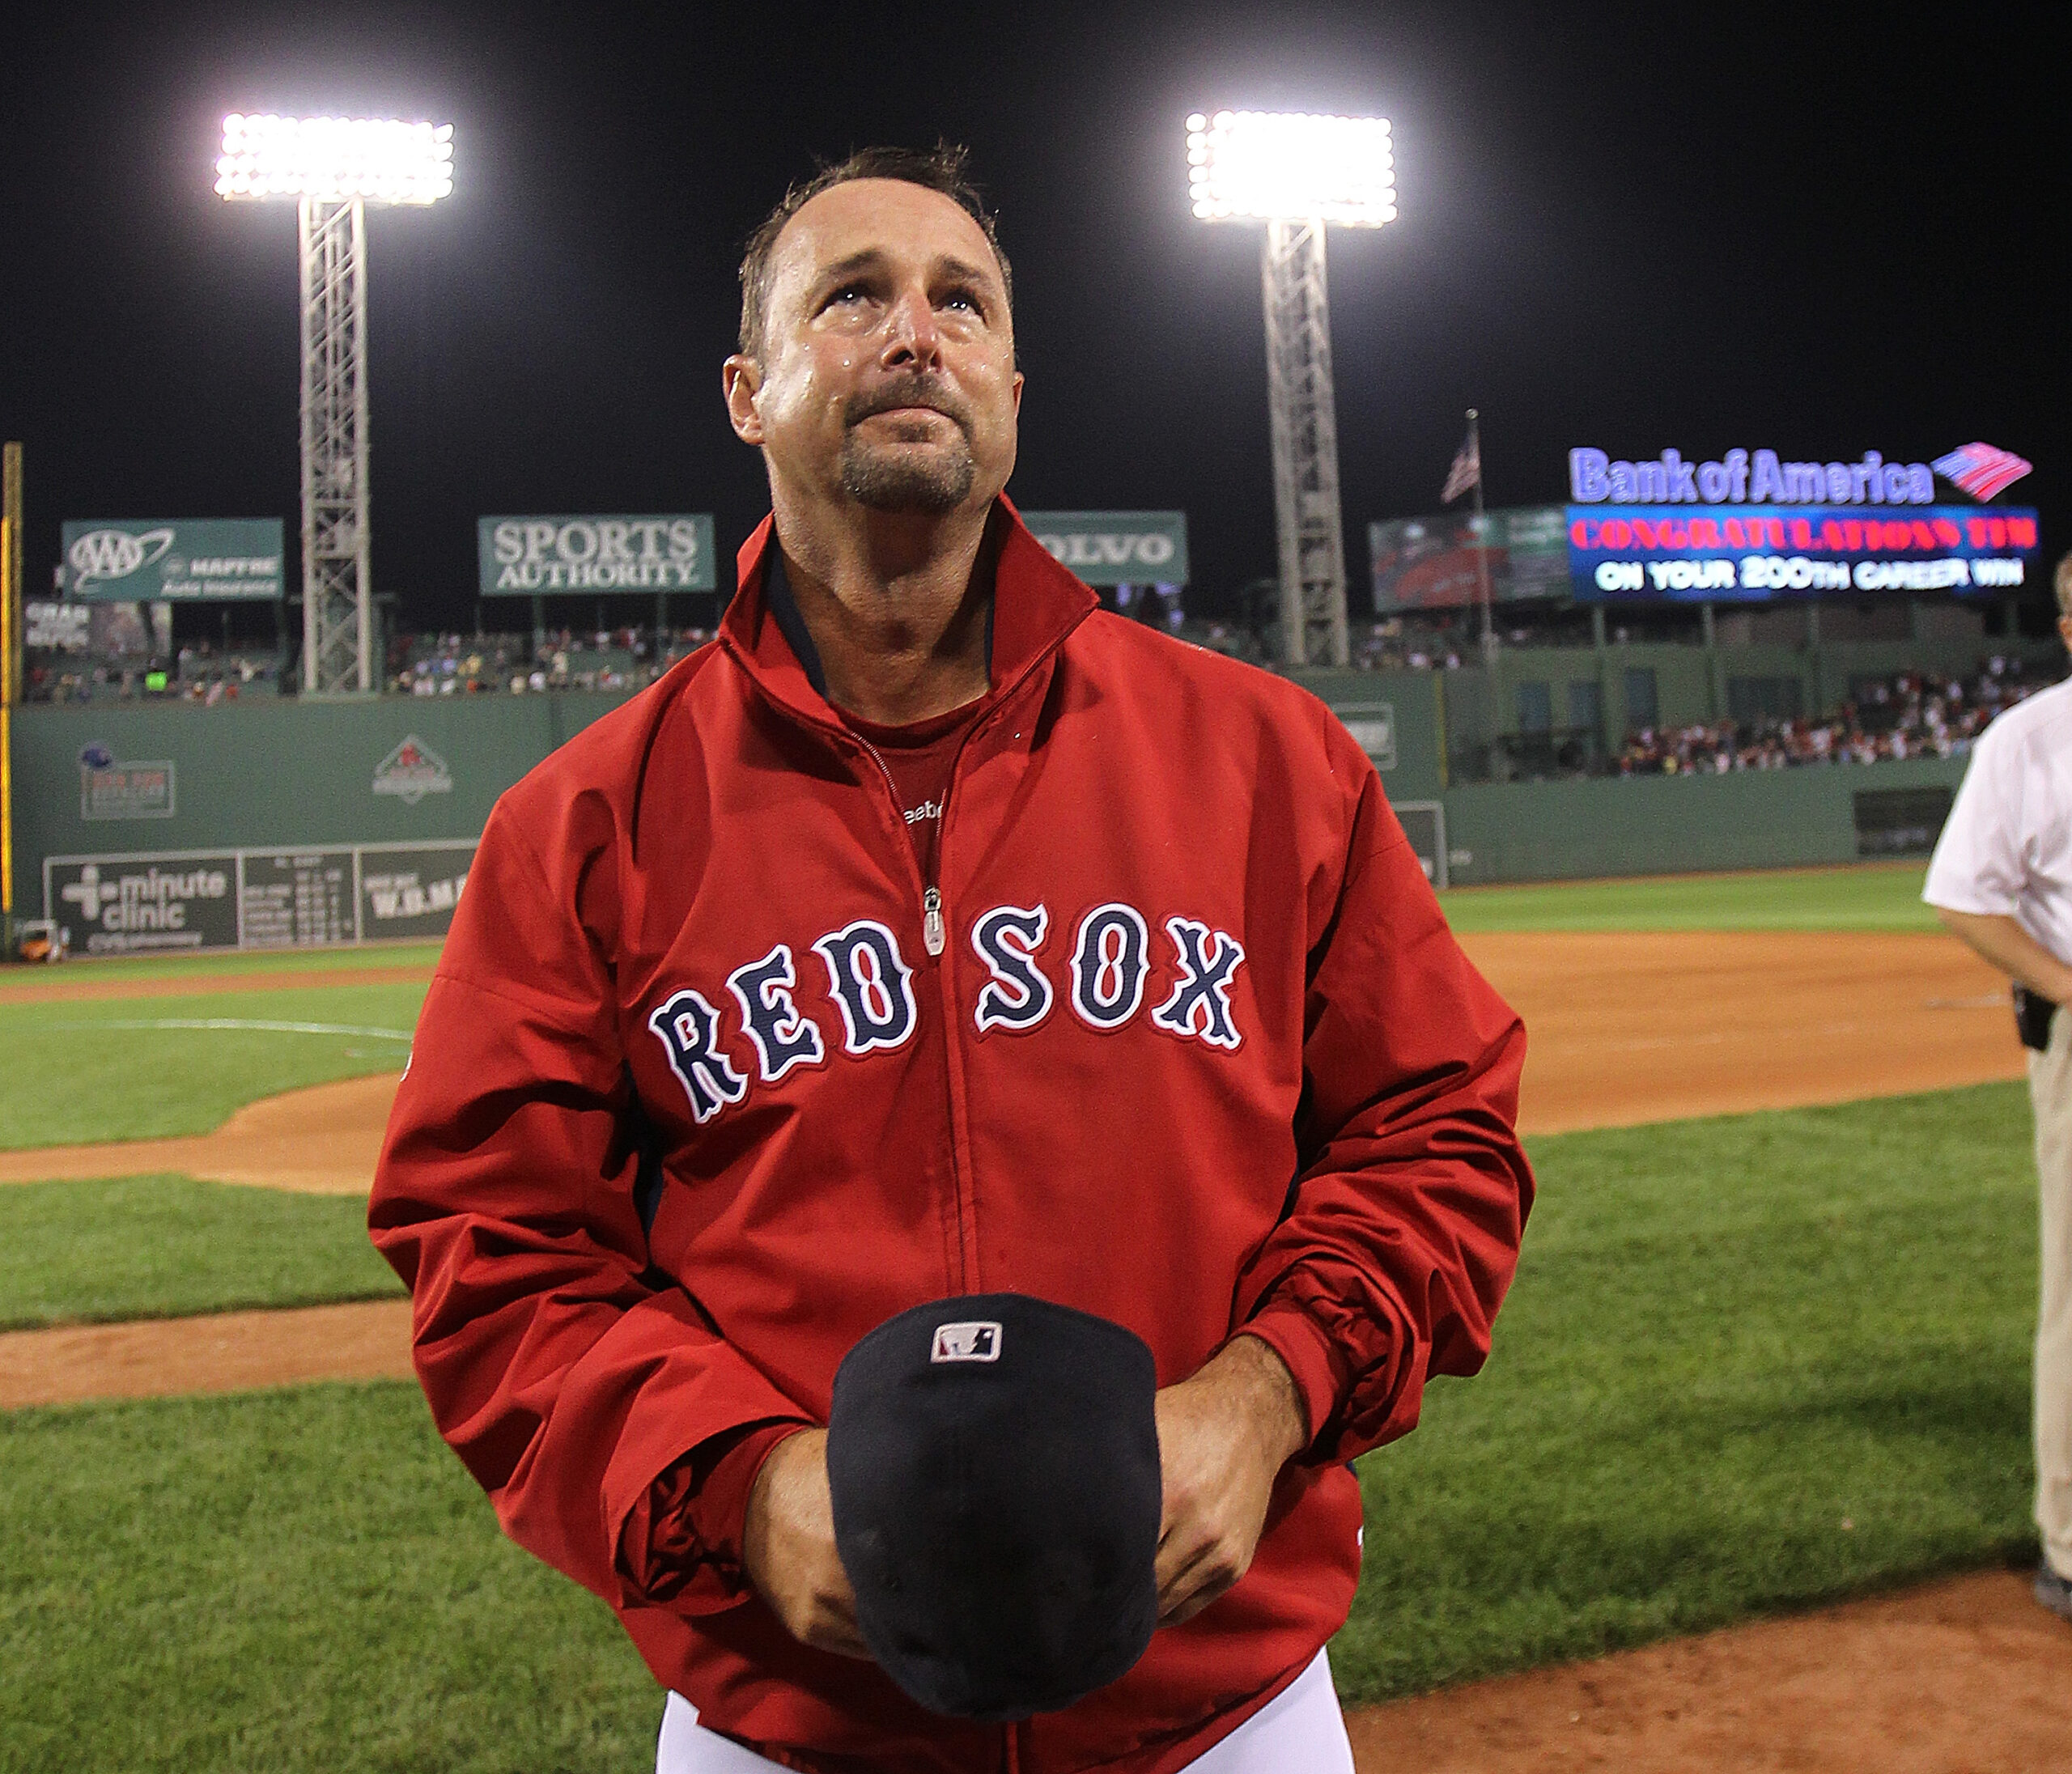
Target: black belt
x=2032 y=1014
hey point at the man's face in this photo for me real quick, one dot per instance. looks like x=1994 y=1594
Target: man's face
x=886 y=370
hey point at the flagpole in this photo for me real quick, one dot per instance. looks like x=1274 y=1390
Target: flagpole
x=1481 y=540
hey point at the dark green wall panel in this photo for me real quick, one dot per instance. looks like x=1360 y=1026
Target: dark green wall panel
x=1669 y=825
x=284 y=772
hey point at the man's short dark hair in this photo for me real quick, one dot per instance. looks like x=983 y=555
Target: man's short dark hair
x=943 y=168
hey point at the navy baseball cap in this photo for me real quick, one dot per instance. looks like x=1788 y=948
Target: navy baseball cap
x=994 y=1464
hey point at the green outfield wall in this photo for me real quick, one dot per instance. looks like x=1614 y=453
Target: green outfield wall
x=143 y=780
x=292 y=774
x=1675 y=825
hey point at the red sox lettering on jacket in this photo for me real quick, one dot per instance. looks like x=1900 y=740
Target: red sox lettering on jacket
x=710 y=1082
x=870 y=984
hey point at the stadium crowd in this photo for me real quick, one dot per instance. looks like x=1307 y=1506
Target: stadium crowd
x=603 y=659
x=200 y=672
x=1910 y=715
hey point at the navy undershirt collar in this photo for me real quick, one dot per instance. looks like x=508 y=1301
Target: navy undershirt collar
x=784 y=609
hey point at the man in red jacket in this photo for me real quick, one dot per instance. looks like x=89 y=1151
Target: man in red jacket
x=930 y=934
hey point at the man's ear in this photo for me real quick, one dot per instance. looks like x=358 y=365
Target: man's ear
x=740 y=380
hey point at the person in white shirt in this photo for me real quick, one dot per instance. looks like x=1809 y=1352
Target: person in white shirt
x=2002 y=879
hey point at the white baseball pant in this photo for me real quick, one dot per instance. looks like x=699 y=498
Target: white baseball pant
x=2050 y=1095
x=1299 y=1731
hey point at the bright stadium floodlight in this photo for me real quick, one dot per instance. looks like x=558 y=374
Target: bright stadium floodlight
x=335 y=159
x=1287 y=166
x=334 y=168
x=1299 y=174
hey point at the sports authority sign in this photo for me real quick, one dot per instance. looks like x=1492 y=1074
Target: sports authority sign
x=172 y=560
x=1116 y=548
x=528 y=557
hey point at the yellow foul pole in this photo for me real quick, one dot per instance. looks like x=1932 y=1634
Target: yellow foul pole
x=11 y=674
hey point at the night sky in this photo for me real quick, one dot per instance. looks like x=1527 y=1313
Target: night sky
x=1821 y=231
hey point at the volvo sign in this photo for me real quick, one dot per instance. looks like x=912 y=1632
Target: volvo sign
x=1116 y=548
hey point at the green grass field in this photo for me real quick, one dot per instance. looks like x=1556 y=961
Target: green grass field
x=1750 y=1364
x=177 y=968
x=298 y=1582
x=161 y=1247
x=1872 y=896
x=138 y=1068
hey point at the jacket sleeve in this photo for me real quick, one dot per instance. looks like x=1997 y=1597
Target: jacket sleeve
x=1404 y=1222
x=566 y=1377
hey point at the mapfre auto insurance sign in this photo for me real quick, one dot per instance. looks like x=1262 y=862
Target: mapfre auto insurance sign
x=176 y=560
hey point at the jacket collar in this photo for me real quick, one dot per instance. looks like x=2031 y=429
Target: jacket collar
x=1036 y=605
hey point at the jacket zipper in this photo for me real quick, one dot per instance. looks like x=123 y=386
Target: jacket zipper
x=932 y=928
x=934 y=922
x=934 y=938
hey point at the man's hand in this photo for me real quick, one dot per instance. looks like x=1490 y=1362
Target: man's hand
x=788 y=1547
x=1223 y=1438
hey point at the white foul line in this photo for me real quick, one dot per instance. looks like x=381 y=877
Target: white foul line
x=240 y=1022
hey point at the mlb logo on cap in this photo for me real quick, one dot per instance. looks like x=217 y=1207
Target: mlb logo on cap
x=977 y=1341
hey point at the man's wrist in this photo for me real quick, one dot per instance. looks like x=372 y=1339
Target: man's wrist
x=1272 y=1395
x=770 y=1472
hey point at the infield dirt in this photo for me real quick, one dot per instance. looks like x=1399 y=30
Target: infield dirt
x=1963 y=1677
x=1624 y=1028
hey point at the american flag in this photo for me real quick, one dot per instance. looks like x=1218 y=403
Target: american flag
x=1980 y=469
x=1466 y=470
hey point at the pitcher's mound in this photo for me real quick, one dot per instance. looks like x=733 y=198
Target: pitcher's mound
x=323 y=1140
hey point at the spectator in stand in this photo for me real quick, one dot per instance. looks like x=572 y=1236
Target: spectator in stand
x=1911 y=715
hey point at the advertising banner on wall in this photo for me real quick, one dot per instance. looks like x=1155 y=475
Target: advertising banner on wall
x=411 y=890
x=1749 y=525
x=530 y=557
x=1116 y=548
x=172 y=560
x=318 y=896
x=296 y=898
x=174 y=903
x=57 y=628
x=121 y=788
x=1641 y=553
x=1430 y=563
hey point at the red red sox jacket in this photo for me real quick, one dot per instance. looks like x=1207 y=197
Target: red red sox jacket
x=710 y=1082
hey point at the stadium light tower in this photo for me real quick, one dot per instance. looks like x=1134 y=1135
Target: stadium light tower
x=334 y=168
x=1298 y=174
